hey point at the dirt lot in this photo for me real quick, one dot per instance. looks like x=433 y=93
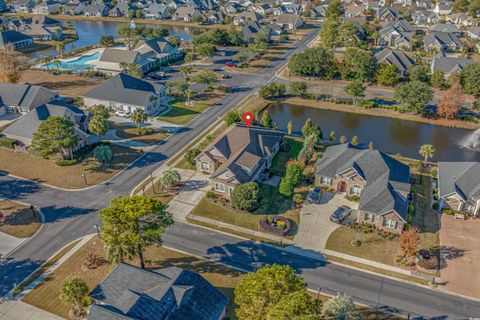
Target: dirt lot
x=19 y=220
x=460 y=255
x=71 y=85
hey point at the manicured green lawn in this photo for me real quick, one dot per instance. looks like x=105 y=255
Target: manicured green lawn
x=282 y=157
x=271 y=203
x=181 y=113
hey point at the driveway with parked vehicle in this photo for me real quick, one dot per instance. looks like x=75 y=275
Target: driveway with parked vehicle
x=315 y=220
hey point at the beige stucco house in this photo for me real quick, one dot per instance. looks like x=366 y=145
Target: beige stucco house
x=242 y=154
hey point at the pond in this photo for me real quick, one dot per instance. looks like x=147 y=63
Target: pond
x=387 y=134
x=89 y=33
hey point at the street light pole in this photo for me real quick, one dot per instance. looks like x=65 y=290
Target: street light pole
x=98 y=230
x=84 y=175
x=33 y=211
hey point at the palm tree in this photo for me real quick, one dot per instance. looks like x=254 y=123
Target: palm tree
x=175 y=40
x=60 y=48
x=170 y=179
x=188 y=94
x=102 y=153
x=375 y=36
x=46 y=60
x=98 y=125
x=74 y=291
x=139 y=117
x=57 y=63
x=427 y=151
x=123 y=66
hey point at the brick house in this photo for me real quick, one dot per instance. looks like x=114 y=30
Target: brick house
x=381 y=182
x=242 y=154
x=459 y=186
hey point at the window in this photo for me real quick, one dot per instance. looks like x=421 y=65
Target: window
x=205 y=166
x=355 y=190
x=219 y=187
x=389 y=223
x=325 y=180
x=369 y=216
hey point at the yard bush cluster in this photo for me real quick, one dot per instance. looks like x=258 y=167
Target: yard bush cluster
x=353 y=197
x=366 y=227
x=66 y=162
x=404 y=260
x=7 y=142
x=276 y=224
x=426 y=259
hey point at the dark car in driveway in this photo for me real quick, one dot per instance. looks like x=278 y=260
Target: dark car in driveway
x=340 y=214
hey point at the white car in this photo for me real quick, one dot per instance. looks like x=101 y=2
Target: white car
x=123 y=114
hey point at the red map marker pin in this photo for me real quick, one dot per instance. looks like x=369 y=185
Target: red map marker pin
x=248 y=118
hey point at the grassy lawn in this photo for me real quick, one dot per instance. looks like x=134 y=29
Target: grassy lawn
x=182 y=113
x=147 y=135
x=271 y=203
x=376 y=248
x=70 y=177
x=155 y=191
x=282 y=157
x=20 y=221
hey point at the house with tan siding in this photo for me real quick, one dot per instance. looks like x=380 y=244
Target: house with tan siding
x=381 y=183
x=242 y=154
x=459 y=186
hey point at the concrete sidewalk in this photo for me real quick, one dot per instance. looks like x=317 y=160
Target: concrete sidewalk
x=18 y=310
x=9 y=243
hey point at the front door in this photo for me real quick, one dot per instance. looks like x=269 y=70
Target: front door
x=342 y=186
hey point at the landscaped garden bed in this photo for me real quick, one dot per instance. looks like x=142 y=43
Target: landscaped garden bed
x=276 y=224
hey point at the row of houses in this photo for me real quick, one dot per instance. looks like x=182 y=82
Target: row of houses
x=382 y=183
x=36 y=104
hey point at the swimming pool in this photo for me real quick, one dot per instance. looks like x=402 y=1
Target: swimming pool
x=79 y=64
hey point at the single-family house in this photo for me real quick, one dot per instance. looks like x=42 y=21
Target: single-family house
x=242 y=154
x=289 y=21
x=74 y=9
x=387 y=14
x=443 y=8
x=459 y=186
x=186 y=14
x=43 y=28
x=23 y=6
x=353 y=11
x=461 y=19
x=127 y=93
x=96 y=10
x=47 y=7
x=15 y=39
x=397 y=58
x=157 y=11
x=129 y=292
x=232 y=7
x=448 y=65
x=251 y=30
x=22 y=98
x=423 y=18
x=442 y=41
x=397 y=34
x=243 y=18
x=446 y=28
x=318 y=12
x=214 y=17
x=474 y=33
x=122 y=9
x=24 y=127
x=381 y=182
x=263 y=9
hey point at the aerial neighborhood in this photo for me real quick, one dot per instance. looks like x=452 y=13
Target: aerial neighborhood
x=239 y=159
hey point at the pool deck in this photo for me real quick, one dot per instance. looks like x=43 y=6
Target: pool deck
x=87 y=53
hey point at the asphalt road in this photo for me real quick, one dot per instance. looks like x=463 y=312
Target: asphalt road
x=72 y=214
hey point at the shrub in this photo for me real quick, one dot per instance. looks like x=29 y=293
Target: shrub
x=246 y=196
x=368 y=104
x=190 y=156
x=436 y=206
x=428 y=264
x=211 y=195
x=7 y=142
x=276 y=224
x=448 y=211
x=468 y=117
x=356 y=243
x=66 y=162
x=411 y=208
x=353 y=198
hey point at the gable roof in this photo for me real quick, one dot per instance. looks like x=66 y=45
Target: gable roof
x=384 y=176
x=462 y=178
x=449 y=64
x=118 y=55
x=28 y=124
x=443 y=38
x=12 y=36
x=395 y=57
x=25 y=95
x=172 y=293
x=241 y=149
x=124 y=89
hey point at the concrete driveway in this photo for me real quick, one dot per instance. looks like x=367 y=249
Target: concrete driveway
x=315 y=226
x=460 y=252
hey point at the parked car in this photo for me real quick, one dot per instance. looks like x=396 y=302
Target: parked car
x=313 y=196
x=123 y=114
x=226 y=76
x=340 y=214
x=230 y=64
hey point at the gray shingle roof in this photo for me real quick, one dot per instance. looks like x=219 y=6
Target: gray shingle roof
x=242 y=148
x=172 y=293
x=384 y=176
x=28 y=124
x=395 y=57
x=444 y=38
x=11 y=36
x=25 y=95
x=123 y=88
x=449 y=64
x=118 y=55
x=460 y=177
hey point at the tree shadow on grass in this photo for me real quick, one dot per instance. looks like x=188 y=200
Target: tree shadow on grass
x=449 y=254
